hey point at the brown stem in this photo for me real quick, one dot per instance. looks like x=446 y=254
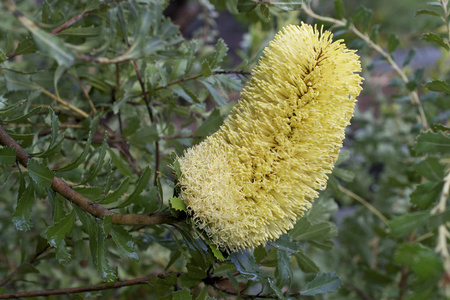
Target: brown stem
x=96 y=210
x=81 y=289
x=404 y=273
x=76 y=19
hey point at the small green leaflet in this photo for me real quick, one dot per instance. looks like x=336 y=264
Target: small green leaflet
x=426 y=194
x=276 y=289
x=432 y=143
x=219 y=53
x=323 y=283
x=217 y=97
x=124 y=242
x=404 y=224
x=206 y=69
x=434 y=38
x=217 y=254
x=98 y=252
x=181 y=295
x=17 y=82
x=177 y=204
x=117 y=193
x=87 y=148
x=100 y=160
x=56 y=235
x=40 y=173
x=140 y=186
x=305 y=263
x=438 y=86
x=211 y=124
x=423 y=261
x=21 y=216
x=24 y=118
x=107 y=224
x=54 y=46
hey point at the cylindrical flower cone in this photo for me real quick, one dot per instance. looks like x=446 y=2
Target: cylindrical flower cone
x=250 y=181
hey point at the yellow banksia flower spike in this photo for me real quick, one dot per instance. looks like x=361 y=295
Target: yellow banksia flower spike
x=251 y=180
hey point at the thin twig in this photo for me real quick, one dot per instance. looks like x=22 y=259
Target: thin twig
x=404 y=274
x=96 y=210
x=61 y=101
x=366 y=204
x=30 y=261
x=152 y=119
x=412 y=94
x=77 y=18
x=82 y=289
x=86 y=94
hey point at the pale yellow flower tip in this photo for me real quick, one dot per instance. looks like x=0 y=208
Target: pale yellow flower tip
x=249 y=182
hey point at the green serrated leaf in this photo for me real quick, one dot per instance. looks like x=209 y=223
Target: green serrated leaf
x=284 y=270
x=141 y=184
x=40 y=173
x=107 y=223
x=7 y=156
x=124 y=242
x=427 y=12
x=211 y=124
x=305 y=263
x=276 y=289
x=434 y=38
x=206 y=69
x=53 y=46
x=100 y=160
x=18 y=82
x=82 y=31
x=284 y=243
x=3 y=57
x=218 y=98
x=98 y=252
x=24 y=118
x=403 y=225
x=324 y=245
x=87 y=148
x=217 y=254
x=219 y=53
x=24 y=140
x=25 y=47
x=177 y=204
x=438 y=219
x=393 y=42
x=431 y=168
x=245 y=263
x=10 y=109
x=319 y=231
x=432 y=143
x=184 y=93
x=438 y=86
x=181 y=295
x=21 y=217
x=426 y=194
x=423 y=261
x=321 y=284
x=57 y=233
x=117 y=193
